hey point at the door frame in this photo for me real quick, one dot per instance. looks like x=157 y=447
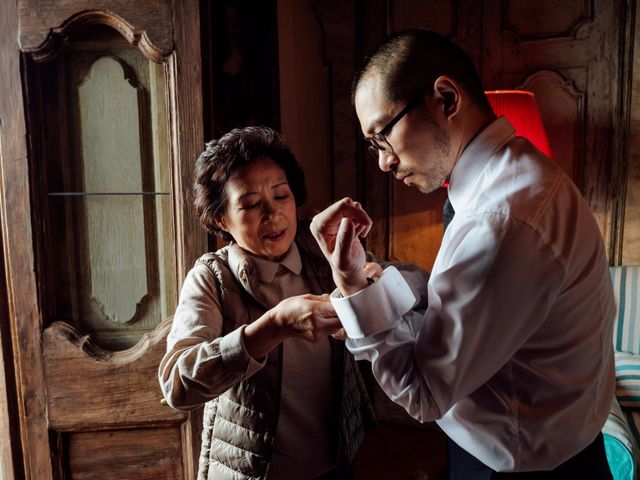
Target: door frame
x=22 y=373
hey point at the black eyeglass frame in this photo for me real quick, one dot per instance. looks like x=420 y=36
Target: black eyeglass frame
x=378 y=141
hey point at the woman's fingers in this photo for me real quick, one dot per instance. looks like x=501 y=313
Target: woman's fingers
x=340 y=335
x=372 y=270
x=311 y=317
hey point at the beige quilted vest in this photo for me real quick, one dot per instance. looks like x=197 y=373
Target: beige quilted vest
x=239 y=426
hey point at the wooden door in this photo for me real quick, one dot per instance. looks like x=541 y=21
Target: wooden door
x=100 y=231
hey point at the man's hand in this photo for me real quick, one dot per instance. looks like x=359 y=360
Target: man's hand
x=336 y=229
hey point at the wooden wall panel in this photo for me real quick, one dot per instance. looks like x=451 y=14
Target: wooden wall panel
x=342 y=56
x=117 y=455
x=440 y=16
x=415 y=227
x=584 y=49
x=630 y=241
x=545 y=18
x=561 y=106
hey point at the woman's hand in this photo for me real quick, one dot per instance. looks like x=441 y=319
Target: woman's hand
x=310 y=317
x=372 y=270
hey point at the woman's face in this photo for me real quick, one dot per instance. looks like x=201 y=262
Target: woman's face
x=261 y=209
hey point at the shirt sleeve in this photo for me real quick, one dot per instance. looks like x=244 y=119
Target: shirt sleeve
x=493 y=284
x=200 y=362
x=416 y=277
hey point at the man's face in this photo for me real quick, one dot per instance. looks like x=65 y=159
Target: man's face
x=421 y=149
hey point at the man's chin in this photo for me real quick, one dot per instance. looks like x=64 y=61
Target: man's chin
x=426 y=187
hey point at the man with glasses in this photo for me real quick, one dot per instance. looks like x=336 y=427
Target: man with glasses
x=513 y=356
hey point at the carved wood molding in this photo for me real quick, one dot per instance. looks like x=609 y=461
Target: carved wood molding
x=45 y=49
x=567 y=85
x=92 y=388
x=553 y=89
x=572 y=29
x=85 y=346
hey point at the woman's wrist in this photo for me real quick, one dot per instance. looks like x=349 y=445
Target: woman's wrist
x=263 y=335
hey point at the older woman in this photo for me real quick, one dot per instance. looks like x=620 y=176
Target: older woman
x=284 y=400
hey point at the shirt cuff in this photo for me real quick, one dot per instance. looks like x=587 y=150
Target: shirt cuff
x=381 y=305
x=235 y=356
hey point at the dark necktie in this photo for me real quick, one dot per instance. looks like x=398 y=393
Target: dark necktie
x=448 y=213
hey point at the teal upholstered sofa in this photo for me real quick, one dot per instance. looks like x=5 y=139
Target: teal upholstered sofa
x=621 y=435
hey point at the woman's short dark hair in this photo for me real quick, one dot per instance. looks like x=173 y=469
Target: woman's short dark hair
x=224 y=156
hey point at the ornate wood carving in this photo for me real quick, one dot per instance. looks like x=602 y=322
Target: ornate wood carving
x=91 y=388
x=592 y=59
x=547 y=19
x=561 y=106
x=46 y=25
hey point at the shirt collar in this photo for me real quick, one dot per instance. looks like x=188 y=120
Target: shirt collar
x=267 y=269
x=467 y=170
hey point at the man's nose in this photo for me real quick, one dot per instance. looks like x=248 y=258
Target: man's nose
x=387 y=161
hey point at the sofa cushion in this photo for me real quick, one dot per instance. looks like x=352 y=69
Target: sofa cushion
x=626 y=289
x=620 y=444
x=628 y=379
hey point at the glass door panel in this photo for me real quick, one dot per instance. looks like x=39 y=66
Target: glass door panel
x=109 y=193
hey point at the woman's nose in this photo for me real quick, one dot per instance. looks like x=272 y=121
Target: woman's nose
x=269 y=208
x=387 y=161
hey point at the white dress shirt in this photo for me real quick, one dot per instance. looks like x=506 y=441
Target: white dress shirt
x=513 y=357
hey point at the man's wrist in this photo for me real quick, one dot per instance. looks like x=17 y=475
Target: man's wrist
x=351 y=284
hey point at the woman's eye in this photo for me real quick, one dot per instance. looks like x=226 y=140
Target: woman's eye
x=249 y=207
x=282 y=197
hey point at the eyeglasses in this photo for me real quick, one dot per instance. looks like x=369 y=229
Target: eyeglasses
x=378 y=141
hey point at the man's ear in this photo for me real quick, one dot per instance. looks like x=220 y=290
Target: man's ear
x=447 y=93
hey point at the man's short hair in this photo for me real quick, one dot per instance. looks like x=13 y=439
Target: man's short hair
x=410 y=61
x=222 y=157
